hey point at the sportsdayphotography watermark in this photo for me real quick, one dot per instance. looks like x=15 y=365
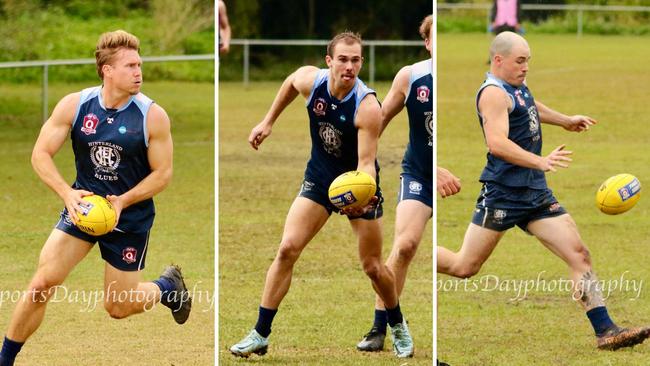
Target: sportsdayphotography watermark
x=90 y=300
x=519 y=289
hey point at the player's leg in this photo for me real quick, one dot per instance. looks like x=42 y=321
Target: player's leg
x=410 y=222
x=478 y=244
x=370 y=240
x=125 y=291
x=304 y=220
x=59 y=256
x=560 y=235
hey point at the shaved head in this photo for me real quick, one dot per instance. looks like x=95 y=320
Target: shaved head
x=504 y=42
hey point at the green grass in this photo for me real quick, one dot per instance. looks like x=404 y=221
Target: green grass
x=330 y=304
x=599 y=76
x=183 y=233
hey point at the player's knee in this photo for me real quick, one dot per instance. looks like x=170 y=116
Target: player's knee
x=288 y=252
x=372 y=269
x=42 y=288
x=117 y=310
x=467 y=271
x=582 y=257
x=406 y=249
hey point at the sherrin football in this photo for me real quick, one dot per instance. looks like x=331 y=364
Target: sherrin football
x=618 y=194
x=97 y=216
x=352 y=189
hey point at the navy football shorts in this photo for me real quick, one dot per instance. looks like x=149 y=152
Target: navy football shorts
x=500 y=208
x=124 y=251
x=413 y=188
x=317 y=192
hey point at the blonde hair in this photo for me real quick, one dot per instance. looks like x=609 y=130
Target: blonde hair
x=425 y=27
x=109 y=44
x=348 y=37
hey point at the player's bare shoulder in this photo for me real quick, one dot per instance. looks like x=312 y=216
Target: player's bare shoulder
x=493 y=97
x=369 y=113
x=65 y=110
x=157 y=120
x=303 y=79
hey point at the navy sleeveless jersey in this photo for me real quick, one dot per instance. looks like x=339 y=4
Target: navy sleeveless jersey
x=418 y=158
x=110 y=149
x=333 y=130
x=524 y=130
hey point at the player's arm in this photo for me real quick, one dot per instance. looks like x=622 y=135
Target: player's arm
x=576 y=123
x=494 y=105
x=299 y=82
x=447 y=184
x=52 y=136
x=160 y=154
x=224 y=28
x=394 y=101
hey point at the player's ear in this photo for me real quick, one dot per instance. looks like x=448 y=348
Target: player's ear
x=106 y=69
x=328 y=60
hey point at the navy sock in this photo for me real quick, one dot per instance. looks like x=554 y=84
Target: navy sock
x=381 y=320
x=9 y=351
x=600 y=320
x=167 y=295
x=394 y=315
x=264 y=320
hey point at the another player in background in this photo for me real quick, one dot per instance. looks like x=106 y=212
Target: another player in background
x=515 y=191
x=224 y=28
x=123 y=150
x=412 y=88
x=345 y=123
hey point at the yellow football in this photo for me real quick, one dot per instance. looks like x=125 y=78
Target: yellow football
x=618 y=194
x=97 y=216
x=352 y=189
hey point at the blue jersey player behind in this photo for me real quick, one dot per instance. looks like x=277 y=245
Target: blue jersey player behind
x=515 y=191
x=412 y=88
x=123 y=150
x=345 y=122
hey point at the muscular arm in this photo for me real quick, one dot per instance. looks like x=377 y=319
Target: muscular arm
x=394 y=101
x=494 y=105
x=368 y=122
x=52 y=136
x=576 y=123
x=160 y=154
x=224 y=28
x=299 y=82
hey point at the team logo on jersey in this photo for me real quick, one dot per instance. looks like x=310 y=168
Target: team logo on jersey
x=415 y=187
x=320 y=106
x=342 y=118
x=520 y=99
x=499 y=215
x=331 y=139
x=106 y=158
x=554 y=207
x=422 y=93
x=533 y=119
x=129 y=254
x=428 y=124
x=89 y=125
x=307 y=186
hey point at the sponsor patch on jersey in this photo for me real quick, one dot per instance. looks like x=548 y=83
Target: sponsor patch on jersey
x=320 y=106
x=89 y=125
x=520 y=99
x=129 y=254
x=423 y=93
x=122 y=130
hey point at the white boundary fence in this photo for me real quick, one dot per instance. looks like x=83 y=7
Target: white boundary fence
x=45 y=64
x=581 y=9
x=247 y=43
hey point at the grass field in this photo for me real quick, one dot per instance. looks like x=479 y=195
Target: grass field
x=183 y=233
x=603 y=77
x=330 y=304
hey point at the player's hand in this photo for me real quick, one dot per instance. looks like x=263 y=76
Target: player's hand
x=72 y=199
x=118 y=206
x=224 y=48
x=557 y=158
x=579 y=123
x=359 y=211
x=258 y=134
x=447 y=183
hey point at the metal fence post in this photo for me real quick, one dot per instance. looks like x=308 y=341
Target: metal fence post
x=44 y=92
x=372 y=64
x=580 y=11
x=246 y=62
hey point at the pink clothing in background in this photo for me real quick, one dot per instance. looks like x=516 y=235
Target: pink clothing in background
x=506 y=13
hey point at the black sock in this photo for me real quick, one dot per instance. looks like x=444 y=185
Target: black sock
x=394 y=316
x=600 y=320
x=264 y=320
x=381 y=320
x=9 y=351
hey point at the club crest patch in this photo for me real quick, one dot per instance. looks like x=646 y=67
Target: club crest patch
x=89 y=125
x=422 y=93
